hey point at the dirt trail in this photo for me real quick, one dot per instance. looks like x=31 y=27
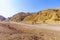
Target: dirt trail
x=55 y=27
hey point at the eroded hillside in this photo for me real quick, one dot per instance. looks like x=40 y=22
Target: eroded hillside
x=19 y=17
x=44 y=16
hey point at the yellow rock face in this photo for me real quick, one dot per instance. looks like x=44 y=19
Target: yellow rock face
x=45 y=16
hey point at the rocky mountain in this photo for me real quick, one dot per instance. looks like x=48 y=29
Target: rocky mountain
x=19 y=16
x=44 y=16
x=2 y=18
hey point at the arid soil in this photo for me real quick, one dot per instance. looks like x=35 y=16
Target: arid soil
x=15 y=31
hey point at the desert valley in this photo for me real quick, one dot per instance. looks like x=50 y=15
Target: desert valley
x=41 y=25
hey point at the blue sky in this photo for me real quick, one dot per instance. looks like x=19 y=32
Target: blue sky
x=11 y=7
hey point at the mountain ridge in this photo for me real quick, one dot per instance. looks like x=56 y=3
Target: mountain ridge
x=44 y=16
